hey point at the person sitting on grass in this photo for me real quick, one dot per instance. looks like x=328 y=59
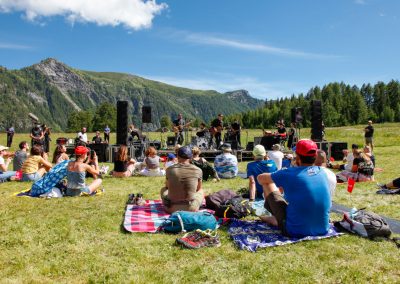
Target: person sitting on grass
x=36 y=165
x=20 y=156
x=207 y=169
x=368 y=152
x=171 y=160
x=321 y=161
x=60 y=154
x=152 y=162
x=276 y=155
x=5 y=174
x=183 y=185
x=347 y=159
x=304 y=208
x=260 y=165
x=226 y=164
x=76 y=174
x=362 y=170
x=123 y=164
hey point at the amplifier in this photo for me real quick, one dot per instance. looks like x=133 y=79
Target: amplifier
x=156 y=144
x=101 y=150
x=134 y=151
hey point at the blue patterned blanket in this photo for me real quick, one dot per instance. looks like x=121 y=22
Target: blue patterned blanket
x=251 y=235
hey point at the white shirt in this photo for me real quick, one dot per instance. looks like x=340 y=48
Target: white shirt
x=331 y=181
x=2 y=161
x=277 y=157
x=350 y=159
x=82 y=137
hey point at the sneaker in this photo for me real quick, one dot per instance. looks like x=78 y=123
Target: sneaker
x=104 y=170
x=199 y=239
x=131 y=199
x=381 y=186
x=139 y=200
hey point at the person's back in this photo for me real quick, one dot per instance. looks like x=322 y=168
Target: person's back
x=256 y=168
x=183 y=179
x=276 y=155
x=226 y=165
x=19 y=159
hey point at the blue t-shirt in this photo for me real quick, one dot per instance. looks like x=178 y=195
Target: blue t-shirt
x=306 y=190
x=259 y=167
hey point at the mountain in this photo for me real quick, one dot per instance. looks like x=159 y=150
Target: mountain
x=51 y=90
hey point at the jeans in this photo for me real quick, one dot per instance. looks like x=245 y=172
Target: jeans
x=4 y=176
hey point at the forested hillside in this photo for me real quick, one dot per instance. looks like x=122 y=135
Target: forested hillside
x=342 y=104
x=52 y=91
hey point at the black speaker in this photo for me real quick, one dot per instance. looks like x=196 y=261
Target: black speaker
x=296 y=115
x=101 y=151
x=156 y=144
x=122 y=122
x=337 y=150
x=250 y=146
x=146 y=114
x=171 y=141
x=316 y=120
x=257 y=140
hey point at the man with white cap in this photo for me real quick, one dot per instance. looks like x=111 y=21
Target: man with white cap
x=304 y=209
x=260 y=165
x=4 y=173
x=226 y=164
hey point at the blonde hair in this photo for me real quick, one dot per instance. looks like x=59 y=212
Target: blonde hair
x=176 y=148
x=196 y=151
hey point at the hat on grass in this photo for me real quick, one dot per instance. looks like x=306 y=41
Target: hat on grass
x=81 y=150
x=259 y=151
x=3 y=148
x=306 y=147
x=185 y=152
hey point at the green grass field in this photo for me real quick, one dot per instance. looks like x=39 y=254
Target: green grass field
x=79 y=240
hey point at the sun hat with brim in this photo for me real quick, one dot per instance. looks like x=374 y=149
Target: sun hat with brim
x=226 y=147
x=306 y=147
x=259 y=151
x=276 y=147
x=3 y=148
x=81 y=150
x=185 y=152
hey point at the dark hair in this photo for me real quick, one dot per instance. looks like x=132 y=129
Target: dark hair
x=36 y=150
x=22 y=144
x=57 y=153
x=307 y=159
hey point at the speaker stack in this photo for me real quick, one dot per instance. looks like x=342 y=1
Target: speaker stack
x=122 y=122
x=316 y=120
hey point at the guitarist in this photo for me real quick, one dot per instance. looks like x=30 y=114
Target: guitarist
x=179 y=127
x=216 y=130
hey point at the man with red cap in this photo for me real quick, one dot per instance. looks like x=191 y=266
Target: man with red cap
x=304 y=208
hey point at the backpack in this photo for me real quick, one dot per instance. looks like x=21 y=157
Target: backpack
x=366 y=224
x=236 y=207
x=184 y=221
x=215 y=200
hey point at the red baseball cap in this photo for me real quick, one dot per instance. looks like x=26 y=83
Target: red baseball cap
x=306 y=147
x=81 y=150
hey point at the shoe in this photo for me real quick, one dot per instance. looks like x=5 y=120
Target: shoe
x=131 y=199
x=139 y=200
x=199 y=239
x=381 y=186
x=104 y=170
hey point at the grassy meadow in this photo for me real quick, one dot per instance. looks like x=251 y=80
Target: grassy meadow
x=80 y=240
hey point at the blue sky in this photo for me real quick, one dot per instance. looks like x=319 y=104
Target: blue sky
x=270 y=48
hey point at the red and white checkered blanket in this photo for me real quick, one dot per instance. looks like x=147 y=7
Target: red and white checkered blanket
x=147 y=218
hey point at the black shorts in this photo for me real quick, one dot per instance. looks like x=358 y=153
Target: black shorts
x=276 y=204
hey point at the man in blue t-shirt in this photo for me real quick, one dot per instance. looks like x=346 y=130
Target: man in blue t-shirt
x=260 y=165
x=304 y=209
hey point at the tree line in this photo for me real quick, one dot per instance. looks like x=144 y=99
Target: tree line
x=342 y=104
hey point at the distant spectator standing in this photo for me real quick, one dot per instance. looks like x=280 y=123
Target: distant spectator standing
x=226 y=164
x=46 y=138
x=107 y=134
x=21 y=155
x=97 y=139
x=369 y=134
x=10 y=135
x=276 y=155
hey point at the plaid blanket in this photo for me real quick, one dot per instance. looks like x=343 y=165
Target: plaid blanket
x=147 y=218
x=251 y=235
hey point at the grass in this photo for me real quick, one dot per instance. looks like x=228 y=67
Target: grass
x=79 y=240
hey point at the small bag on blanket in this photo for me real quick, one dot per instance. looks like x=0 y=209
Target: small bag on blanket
x=364 y=223
x=184 y=221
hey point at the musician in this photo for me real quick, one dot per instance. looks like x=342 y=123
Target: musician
x=134 y=132
x=202 y=131
x=235 y=132
x=37 y=135
x=179 y=126
x=216 y=130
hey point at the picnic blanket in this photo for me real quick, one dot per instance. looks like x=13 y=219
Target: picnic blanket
x=251 y=235
x=147 y=218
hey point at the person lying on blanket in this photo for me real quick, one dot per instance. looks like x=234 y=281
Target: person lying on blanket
x=304 y=208
x=76 y=173
x=183 y=185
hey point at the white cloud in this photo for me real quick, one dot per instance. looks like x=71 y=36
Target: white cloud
x=225 y=83
x=4 y=45
x=249 y=46
x=133 y=14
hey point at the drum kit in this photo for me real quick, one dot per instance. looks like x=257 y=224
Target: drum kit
x=201 y=142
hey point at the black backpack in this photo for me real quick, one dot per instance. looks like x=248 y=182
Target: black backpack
x=236 y=207
x=366 y=224
x=215 y=200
